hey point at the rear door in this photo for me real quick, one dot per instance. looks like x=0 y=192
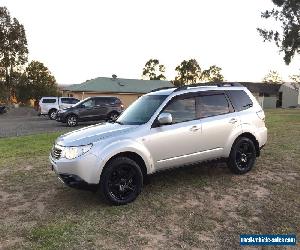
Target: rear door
x=65 y=103
x=218 y=121
x=101 y=108
x=47 y=104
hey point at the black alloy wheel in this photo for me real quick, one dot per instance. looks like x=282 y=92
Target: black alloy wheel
x=121 y=181
x=242 y=156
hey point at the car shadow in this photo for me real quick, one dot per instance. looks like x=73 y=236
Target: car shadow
x=186 y=176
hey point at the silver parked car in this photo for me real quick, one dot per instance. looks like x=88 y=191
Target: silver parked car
x=163 y=129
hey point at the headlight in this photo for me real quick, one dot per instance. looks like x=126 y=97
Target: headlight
x=74 y=152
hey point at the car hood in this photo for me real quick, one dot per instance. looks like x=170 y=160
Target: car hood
x=93 y=134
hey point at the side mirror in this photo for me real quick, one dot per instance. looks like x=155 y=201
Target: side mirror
x=165 y=119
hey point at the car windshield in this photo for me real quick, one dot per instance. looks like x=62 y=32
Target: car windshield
x=141 y=110
x=79 y=103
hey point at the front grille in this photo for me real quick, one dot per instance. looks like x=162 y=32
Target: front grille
x=56 y=152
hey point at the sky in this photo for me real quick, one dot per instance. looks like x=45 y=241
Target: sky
x=83 y=39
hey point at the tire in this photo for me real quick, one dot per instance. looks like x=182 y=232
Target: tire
x=112 y=116
x=242 y=156
x=121 y=181
x=52 y=114
x=72 y=121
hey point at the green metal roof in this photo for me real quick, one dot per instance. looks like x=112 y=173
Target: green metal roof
x=118 y=85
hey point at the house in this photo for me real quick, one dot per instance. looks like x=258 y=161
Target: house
x=267 y=94
x=127 y=90
x=289 y=94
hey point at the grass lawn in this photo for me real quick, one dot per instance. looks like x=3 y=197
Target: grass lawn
x=204 y=206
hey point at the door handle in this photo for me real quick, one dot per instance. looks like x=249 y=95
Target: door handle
x=233 y=120
x=195 y=128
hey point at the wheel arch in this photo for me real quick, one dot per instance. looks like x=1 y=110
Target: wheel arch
x=252 y=138
x=52 y=109
x=131 y=155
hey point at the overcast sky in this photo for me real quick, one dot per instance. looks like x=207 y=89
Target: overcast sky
x=82 y=39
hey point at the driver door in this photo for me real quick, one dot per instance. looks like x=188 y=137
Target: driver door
x=176 y=144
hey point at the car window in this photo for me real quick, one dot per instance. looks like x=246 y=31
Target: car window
x=239 y=99
x=66 y=100
x=74 y=101
x=212 y=105
x=182 y=109
x=49 y=100
x=89 y=103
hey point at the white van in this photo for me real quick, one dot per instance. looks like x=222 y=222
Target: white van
x=50 y=105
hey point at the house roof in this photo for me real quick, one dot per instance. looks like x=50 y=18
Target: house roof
x=258 y=87
x=118 y=85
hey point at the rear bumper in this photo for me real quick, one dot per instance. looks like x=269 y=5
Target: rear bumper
x=262 y=136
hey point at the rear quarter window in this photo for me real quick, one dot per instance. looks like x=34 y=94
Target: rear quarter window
x=48 y=100
x=239 y=99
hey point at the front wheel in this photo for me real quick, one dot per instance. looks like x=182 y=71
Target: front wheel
x=242 y=156
x=121 y=181
x=72 y=120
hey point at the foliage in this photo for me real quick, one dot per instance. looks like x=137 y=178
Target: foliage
x=153 y=70
x=213 y=74
x=13 y=49
x=287 y=12
x=295 y=81
x=188 y=72
x=272 y=77
x=36 y=82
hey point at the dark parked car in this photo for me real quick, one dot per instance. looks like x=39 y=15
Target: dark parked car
x=91 y=109
x=2 y=109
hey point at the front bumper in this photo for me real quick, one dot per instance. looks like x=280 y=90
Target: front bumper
x=83 y=169
x=75 y=181
x=60 y=117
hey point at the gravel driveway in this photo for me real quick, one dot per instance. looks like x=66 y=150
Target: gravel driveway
x=25 y=121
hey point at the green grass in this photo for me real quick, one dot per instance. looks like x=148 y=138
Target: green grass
x=26 y=146
x=204 y=206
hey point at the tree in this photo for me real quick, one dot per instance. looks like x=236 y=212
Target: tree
x=295 y=81
x=213 y=74
x=188 y=72
x=36 y=82
x=287 y=12
x=272 y=77
x=153 y=70
x=13 y=48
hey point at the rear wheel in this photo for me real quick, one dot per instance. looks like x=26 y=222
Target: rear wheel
x=121 y=181
x=242 y=156
x=72 y=120
x=113 y=116
x=52 y=114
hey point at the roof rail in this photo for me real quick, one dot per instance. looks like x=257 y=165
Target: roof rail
x=154 y=90
x=219 y=84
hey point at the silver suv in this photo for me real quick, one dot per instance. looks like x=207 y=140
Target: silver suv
x=163 y=129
